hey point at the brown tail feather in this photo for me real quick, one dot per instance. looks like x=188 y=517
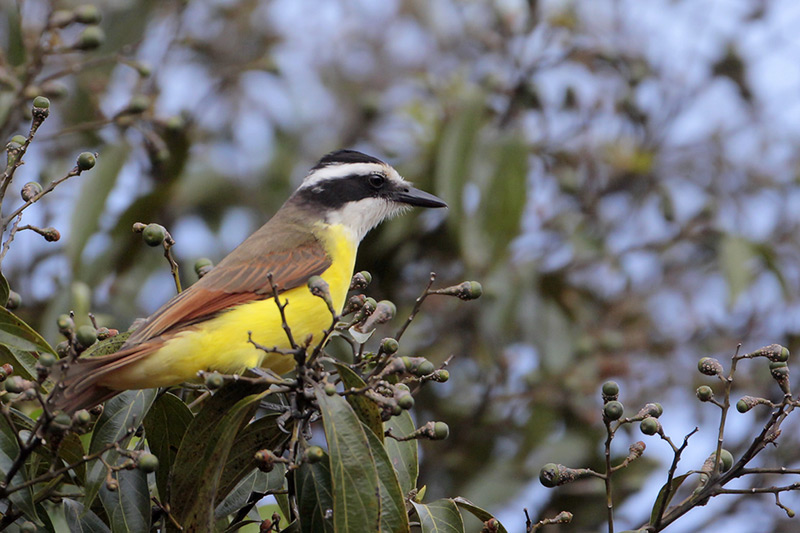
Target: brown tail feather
x=77 y=382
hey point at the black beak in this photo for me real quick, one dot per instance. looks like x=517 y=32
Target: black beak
x=411 y=196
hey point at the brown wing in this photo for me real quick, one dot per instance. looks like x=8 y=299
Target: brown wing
x=239 y=278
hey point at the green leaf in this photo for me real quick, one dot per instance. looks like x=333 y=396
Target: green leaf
x=120 y=414
x=403 y=455
x=662 y=494
x=16 y=334
x=735 y=254
x=204 y=452
x=262 y=433
x=441 y=516
x=24 y=363
x=479 y=513
x=366 y=410
x=165 y=425
x=128 y=507
x=256 y=482
x=315 y=496
x=107 y=346
x=356 y=502
x=82 y=520
x=394 y=517
x=9 y=451
x=96 y=184
x=502 y=204
x=71 y=451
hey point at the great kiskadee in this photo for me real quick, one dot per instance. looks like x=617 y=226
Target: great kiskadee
x=205 y=327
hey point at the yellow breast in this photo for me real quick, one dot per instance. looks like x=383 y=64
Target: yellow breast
x=221 y=343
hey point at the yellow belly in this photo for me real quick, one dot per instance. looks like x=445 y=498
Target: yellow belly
x=221 y=343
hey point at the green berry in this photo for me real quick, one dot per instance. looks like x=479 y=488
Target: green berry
x=550 y=475
x=41 y=102
x=86 y=161
x=472 y=290
x=61 y=422
x=91 y=37
x=440 y=431
x=147 y=463
x=154 y=234
x=389 y=346
x=47 y=360
x=65 y=323
x=425 y=368
x=610 y=389
x=86 y=336
x=613 y=410
x=19 y=139
x=441 y=376
x=30 y=190
x=313 y=454
x=704 y=393
x=408 y=363
x=726 y=460
x=87 y=14
x=82 y=417
x=62 y=349
x=15 y=384
x=655 y=409
x=406 y=402
x=743 y=406
x=112 y=485
x=778 y=364
x=649 y=426
x=202 y=265
x=330 y=389
x=214 y=380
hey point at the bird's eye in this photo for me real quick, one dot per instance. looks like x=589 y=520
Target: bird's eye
x=376 y=180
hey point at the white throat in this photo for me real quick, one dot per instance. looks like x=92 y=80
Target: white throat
x=361 y=216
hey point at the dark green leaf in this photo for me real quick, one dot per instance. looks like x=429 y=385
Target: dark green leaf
x=128 y=507
x=82 y=520
x=71 y=451
x=165 y=426
x=256 y=482
x=314 y=496
x=18 y=335
x=260 y=434
x=9 y=450
x=204 y=452
x=367 y=411
x=120 y=414
x=394 y=518
x=441 y=516
x=356 y=502
x=662 y=494
x=477 y=512
x=403 y=455
x=24 y=363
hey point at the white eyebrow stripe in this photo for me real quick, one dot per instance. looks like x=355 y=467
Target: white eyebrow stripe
x=342 y=171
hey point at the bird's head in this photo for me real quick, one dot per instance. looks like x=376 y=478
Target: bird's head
x=358 y=191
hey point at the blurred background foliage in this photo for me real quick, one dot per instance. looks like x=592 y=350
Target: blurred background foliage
x=622 y=178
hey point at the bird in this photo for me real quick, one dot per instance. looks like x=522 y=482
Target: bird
x=206 y=327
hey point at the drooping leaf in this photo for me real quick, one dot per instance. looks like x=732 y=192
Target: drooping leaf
x=502 y=204
x=9 y=451
x=315 y=496
x=262 y=433
x=165 y=426
x=403 y=454
x=441 y=516
x=16 y=334
x=394 y=518
x=354 y=476
x=4 y=290
x=82 y=520
x=128 y=507
x=256 y=482
x=204 y=452
x=479 y=513
x=367 y=411
x=120 y=414
x=662 y=495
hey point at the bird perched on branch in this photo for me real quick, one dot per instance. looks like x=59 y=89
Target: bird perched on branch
x=316 y=232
